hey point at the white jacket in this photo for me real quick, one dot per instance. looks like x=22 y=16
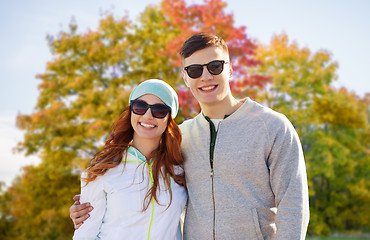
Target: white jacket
x=117 y=198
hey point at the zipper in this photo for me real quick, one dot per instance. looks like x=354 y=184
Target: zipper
x=213 y=132
x=213 y=145
x=214 y=207
x=151 y=181
x=151 y=184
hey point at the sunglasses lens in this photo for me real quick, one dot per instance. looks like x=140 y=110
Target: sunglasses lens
x=195 y=71
x=159 y=110
x=139 y=107
x=215 y=67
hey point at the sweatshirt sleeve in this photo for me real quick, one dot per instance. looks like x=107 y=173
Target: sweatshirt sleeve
x=94 y=194
x=289 y=183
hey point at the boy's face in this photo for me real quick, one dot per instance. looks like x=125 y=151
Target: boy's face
x=209 y=89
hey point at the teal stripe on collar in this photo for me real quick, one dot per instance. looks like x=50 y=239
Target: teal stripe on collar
x=132 y=150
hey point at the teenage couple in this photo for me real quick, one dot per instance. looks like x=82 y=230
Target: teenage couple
x=240 y=169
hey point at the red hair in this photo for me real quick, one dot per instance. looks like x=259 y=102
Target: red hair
x=166 y=156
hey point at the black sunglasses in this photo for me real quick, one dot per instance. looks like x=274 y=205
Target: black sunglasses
x=158 y=110
x=196 y=70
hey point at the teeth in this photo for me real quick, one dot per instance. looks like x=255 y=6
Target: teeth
x=208 y=88
x=147 y=125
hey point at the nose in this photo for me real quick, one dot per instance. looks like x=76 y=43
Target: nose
x=148 y=114
x=206 y=75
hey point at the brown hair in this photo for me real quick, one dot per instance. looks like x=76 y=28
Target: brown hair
x=166 y=156
x=201 y=41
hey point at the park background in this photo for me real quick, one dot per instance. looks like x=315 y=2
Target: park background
x=306 y=60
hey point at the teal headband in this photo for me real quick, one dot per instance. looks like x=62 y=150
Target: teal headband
x=160 y=89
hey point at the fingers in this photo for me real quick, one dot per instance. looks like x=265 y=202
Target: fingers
x=79 y=221
x=79 y=213
x=77 y=226
x=77 y=210
x=76 y=198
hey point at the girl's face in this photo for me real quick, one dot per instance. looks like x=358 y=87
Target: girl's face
x=146 y=127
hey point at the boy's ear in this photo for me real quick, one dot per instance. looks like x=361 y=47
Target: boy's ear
x=183 y=75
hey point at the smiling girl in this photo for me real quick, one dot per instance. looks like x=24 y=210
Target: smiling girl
x=136 y=183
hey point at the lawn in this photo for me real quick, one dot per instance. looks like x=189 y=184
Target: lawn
x=341 y=237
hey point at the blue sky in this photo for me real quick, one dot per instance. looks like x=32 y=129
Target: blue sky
x=340 y=26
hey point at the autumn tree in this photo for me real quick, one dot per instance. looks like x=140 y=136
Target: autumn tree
x=38 y=203
x=337 y=151
x=85 y=87
x=6 y=222
x=211 y=17
x=298 y=76
x=333 y=127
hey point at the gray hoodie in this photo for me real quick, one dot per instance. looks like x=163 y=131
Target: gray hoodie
x=257 y=188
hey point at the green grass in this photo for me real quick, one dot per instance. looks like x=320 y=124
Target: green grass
x=341 y=237
x=338 y=238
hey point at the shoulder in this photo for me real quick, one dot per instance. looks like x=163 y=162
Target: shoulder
x=265 y=114
x=188 y=123
x=112 y=172
x=256 y=116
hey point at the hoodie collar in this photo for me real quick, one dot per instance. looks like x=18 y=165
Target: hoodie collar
x=132 y=150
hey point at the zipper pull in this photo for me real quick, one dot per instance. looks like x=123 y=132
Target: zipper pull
x=211 y=172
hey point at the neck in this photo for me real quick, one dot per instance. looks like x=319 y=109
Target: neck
x=220 y=109
x=145 y=146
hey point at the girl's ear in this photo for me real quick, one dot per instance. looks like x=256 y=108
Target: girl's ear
x=230 y=71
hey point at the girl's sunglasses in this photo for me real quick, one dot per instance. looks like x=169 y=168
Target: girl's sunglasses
x=196 y=70
x=158 y=110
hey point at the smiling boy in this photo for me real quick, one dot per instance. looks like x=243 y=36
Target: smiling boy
x=244 y=164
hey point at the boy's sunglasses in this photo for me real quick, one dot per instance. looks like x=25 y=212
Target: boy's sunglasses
x=158 y=110
x=196 y=70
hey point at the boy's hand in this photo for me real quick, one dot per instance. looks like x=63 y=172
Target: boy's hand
x=79 y=212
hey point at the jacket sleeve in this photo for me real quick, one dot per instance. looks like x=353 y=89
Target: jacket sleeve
x=289 y=183
x=94 y=194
